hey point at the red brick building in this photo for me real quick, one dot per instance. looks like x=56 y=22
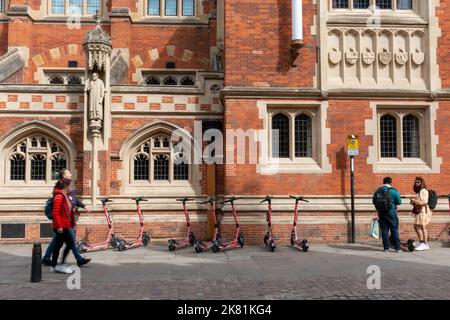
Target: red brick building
x=375 y=68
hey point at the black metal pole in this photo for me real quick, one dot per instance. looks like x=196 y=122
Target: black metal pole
x=36 y=264
x=352 y=183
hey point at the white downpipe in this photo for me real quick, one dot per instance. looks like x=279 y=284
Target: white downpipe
x=297 y=21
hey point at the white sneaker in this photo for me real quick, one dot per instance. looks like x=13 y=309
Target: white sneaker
x=428 y=247
x=63 y=269
x=422 y=246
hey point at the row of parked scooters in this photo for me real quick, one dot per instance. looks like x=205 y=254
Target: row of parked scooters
x=216 y=244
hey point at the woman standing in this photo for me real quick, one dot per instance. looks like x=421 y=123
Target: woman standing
x=422 y=213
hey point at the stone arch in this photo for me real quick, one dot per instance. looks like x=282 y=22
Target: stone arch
x=36 y=127
x=129 y=146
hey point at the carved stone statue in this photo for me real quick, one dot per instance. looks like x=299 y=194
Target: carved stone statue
x=96 y=94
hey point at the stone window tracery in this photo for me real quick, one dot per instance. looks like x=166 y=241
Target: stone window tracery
x=36 y=158
x=155 y=160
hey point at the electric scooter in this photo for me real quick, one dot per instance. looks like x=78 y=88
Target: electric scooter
x=238 y=240
x=295 y=242
x=200 y=246
x=143 y=239
x=269 y=238
x=111 y=240
x=190 y=238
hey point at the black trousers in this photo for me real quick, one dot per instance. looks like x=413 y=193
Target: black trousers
x=61 y=238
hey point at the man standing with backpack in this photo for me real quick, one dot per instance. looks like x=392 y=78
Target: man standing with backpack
x=386 y=199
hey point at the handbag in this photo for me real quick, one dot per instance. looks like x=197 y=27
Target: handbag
x=374 y=229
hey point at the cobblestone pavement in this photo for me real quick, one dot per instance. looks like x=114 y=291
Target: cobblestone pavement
x=325 y=272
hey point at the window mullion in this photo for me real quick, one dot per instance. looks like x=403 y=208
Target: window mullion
x=292 y=136
x=400 y=139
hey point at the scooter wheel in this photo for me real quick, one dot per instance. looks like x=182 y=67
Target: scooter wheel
x=192 y=239
x=82 y=246
x=121 y=246
x=172 y=245
x=411 y=246
x=146 y=239
x=266 y=239
x=272 y=245
x=198 y=246
x=241 y=240
x=215 y=247
x=114 y=241
x=305 y=245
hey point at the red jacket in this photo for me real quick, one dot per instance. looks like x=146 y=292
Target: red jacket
x=63 y=217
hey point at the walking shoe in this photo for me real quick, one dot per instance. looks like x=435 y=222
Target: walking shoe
x=83 y=261
x=63 y=269
x=428 y=247
x=422 y=246
x=386 y=250
x=399 y=250
x=46 y=262
x=52 y=269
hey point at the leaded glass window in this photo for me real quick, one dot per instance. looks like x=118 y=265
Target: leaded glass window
x=388 y=136
x=303 y=136
x=411 y=140
x=280 y=136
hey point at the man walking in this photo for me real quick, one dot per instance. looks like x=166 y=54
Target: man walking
x=386 y=200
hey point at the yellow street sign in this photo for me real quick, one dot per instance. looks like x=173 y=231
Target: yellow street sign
x=352 y=145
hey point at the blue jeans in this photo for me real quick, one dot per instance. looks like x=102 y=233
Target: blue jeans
x=74 y=247
x=389 y=222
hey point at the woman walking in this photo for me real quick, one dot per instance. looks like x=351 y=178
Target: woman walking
x=63 y=221
x=421 y=212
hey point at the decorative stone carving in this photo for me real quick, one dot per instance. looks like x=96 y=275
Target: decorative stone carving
x=98 y=45
x=351 y=56
x=118 y=68
x=368 y=56
x=335 y=56
x=401 y=57
x=418 y=57
x=96 y=94
x=385 y=57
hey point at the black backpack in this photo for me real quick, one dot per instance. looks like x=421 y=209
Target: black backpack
x=382 y=200
x=432 y=199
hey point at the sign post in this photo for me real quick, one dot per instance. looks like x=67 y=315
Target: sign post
x=352 y=149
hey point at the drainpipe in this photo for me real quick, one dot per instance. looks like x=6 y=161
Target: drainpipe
x=297 y=30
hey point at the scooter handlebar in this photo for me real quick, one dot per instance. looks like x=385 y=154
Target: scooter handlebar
x=139 y=199
x=231 y=199
x=267 y=198
x=210 y=200
x=104 y=201
x=300 y=198
x=185 y=199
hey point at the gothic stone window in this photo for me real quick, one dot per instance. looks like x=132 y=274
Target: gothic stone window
x=293 y=134
x=171 y=8
x=155 y=161
x=400 y=136
x=36 y=158
x=75 y=7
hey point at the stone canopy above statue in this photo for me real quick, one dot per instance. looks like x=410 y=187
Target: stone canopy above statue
x=98 y=46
